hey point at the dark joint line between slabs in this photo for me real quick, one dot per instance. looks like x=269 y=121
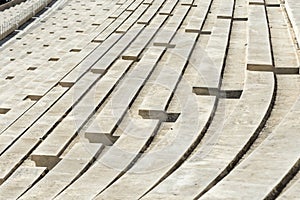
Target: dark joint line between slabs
x=224 y=94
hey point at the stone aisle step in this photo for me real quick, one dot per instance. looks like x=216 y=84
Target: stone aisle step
x=236 y=134
x=258 y=36
x=187 y=2
x=136 y=47
x=134 y=139
x=14 y=156
x=120 y=10
x=22 y=179
x=256 y=2
x=125 y=15
x=11 y=113
x=234 y=69
x=135 y=5
x=149 y=2
x=71 y=166
x=112 y=27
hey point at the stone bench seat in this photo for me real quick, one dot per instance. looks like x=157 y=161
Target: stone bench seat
x=161 y=159
x=232 y=138
x=134 y=51
x=199 y=14
x=276 y=158
x=168 y=7
x=110 y=116
x=54 y=145
x=286 y=60
x=71 y=166
x=226 y=9
x=22 y=179
x=173 y=64
x=151 y=12
x=19 y=126
x=103 y=64
x=31 y=138
x=167 y=32
x=132 y=142
x=258 y=36
x=211 y=65
x=292 y=7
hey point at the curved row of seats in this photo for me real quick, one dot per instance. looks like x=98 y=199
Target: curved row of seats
x=149 y=99
x=14 y=17
x=20 y=142
x=16 y=128
x=52 y=55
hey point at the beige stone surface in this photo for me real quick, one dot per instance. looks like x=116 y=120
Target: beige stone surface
x=71 y=166
x=285 y=55
x=272 y=154
x=133 y=52
x=292 y=6
x=210 y=66
x=259 y=55
x=167 y=32
x=154 y=106
x=133 y=139
x=226 y=9
x=160 y=159
x=102 y=65
x=114 y=110
x=20 y=181
x=203 y=167
x=291 y=193
x=150 y=99
x=198 y=15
